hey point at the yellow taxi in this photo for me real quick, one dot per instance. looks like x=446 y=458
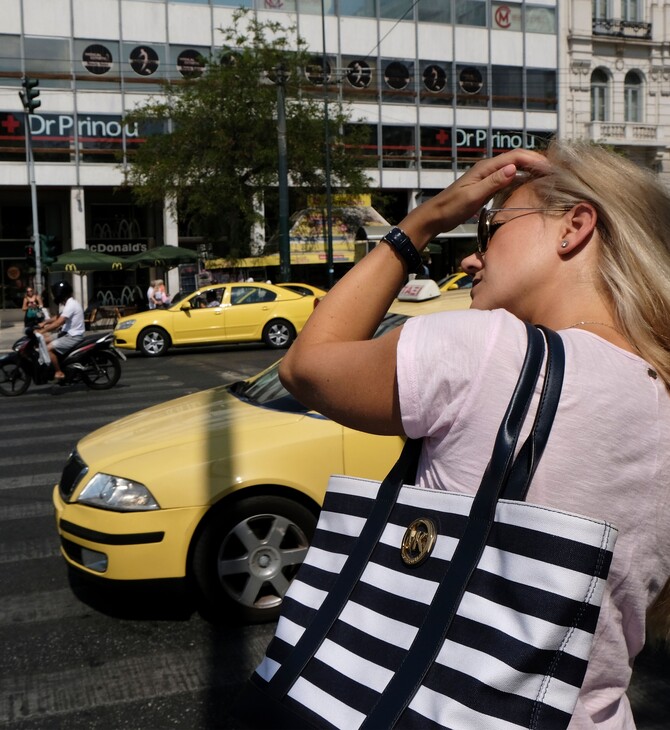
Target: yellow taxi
x=219 y=313
x=307 y=289
x=221 y=488
x=459 y=280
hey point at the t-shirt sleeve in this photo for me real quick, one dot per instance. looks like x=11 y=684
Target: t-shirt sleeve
x=440 y=362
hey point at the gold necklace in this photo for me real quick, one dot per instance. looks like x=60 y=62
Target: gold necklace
x=603 y=324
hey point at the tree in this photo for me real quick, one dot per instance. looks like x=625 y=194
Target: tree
x=218 y=152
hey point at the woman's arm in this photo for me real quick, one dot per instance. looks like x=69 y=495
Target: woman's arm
x=334 y=366
x=25 y=304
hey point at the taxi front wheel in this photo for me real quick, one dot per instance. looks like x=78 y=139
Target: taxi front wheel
x=278 y=333
x=248 y=553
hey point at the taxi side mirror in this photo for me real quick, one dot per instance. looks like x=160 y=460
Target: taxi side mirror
x=185 y=306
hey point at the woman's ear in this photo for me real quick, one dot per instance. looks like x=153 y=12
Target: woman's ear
x=577 y=228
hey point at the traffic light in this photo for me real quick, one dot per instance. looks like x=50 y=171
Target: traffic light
x=29 y=94
x=47 y=249
x=30 y=255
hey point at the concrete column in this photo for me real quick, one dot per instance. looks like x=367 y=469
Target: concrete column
x=78 y=229
x=171 y=238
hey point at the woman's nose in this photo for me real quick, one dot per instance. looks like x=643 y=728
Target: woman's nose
x=472 y=263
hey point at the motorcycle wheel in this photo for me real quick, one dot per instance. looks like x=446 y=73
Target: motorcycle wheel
x=14 y=379
x=102 y=372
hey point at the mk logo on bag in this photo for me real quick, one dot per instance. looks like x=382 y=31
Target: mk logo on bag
x=418 y=541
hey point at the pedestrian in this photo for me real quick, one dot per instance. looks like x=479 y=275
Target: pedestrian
x=151 y=302
x=32 y=307
x=69 y=322
x=577 y=239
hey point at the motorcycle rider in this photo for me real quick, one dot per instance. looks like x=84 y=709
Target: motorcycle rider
x=70 y=322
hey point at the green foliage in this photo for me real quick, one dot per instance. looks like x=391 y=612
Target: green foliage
x=219 y=151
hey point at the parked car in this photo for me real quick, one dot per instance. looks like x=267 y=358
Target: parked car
x=306 y=289
x=221 y=488
x=459 y=280
x=244 y=312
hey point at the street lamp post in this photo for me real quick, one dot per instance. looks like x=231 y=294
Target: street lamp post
x=329 y=197
x=282 y=171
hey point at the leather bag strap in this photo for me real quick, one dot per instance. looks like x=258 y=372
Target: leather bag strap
x=531 y=452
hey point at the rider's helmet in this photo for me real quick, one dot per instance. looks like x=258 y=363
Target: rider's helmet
x=62 y=291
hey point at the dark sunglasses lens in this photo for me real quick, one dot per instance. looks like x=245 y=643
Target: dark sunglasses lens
x=482 y=232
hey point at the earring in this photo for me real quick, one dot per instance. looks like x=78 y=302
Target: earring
x=564 y=244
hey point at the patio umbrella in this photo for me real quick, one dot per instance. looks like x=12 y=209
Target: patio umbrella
x=82 y=260
x=166 y=256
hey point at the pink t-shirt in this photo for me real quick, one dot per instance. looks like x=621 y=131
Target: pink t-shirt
x=607 y=457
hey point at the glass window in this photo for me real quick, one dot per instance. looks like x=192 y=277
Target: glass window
x=286 y=5
x=505 y=16
x=398 y=146
x=600 y=9
x=359 y=77
x=10 y=55
x=434 y=11
x=541 y=90
x=48 y=56
x=96 y=64
x=632 y=97
x=231 y=3
x=359 y=8
x=436 y=148
x=541 y=20
x=398 y=81
x=507 y=87
x=471 y=12
x=365 y=145
x=251 y=295
x=397 y=9
x=186 y=62
x=435 y=82
x=631 y=10
x=599 y=96
x=314 y=6
x=472 y=88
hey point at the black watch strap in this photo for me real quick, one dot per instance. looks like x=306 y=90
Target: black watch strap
x=402 y=243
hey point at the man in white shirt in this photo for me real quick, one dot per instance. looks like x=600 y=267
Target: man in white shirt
x=70 y=322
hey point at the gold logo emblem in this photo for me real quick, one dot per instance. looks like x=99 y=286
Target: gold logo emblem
x=418 y=541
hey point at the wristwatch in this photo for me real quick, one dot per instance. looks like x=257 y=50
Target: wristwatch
x=402 y=243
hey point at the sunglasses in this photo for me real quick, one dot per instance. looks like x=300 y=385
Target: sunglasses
x=486 y=228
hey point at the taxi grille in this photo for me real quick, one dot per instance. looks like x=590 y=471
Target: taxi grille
x=74 y=471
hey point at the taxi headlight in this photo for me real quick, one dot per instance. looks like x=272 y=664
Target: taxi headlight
x=123 y=495
x=125 y=325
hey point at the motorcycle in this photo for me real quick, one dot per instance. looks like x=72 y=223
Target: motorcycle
x=94 y=362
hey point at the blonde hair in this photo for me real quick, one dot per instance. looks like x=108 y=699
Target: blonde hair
x=633 y=211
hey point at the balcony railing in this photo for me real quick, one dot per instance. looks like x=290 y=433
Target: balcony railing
x=629 y=133
x=622 y=28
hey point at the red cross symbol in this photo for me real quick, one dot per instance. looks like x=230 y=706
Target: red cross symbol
x=442 y=137
x=10 y=124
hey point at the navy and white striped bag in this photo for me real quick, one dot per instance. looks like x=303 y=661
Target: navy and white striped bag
x=420 y=608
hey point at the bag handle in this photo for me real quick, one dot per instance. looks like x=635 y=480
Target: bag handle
x=531 y=452
x=435 y=627
x=335 y=600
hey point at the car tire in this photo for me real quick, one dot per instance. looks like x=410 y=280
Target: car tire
x=102 y=372
x=247 y=554
x=14 y=379
x=153 y=342
x=278 y=333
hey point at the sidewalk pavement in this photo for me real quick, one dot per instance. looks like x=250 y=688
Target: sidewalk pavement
x=9 y=334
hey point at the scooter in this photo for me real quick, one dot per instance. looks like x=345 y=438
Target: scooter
x=94 y=362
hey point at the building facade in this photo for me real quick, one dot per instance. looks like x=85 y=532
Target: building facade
x=438 y=83
x=615 y=60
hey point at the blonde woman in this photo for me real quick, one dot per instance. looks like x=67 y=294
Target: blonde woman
x=576 y=240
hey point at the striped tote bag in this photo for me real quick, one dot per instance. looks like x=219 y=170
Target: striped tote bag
x=419 y=608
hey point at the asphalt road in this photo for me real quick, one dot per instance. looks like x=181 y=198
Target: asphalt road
x=77 y=656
